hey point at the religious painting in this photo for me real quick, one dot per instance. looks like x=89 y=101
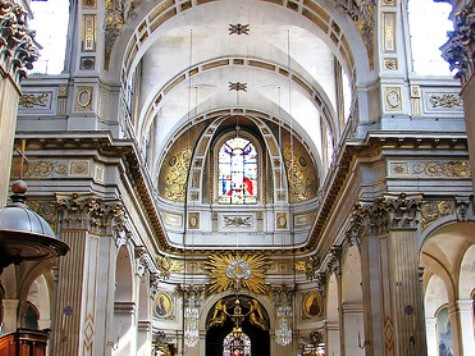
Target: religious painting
x=237 y=172
x=312 y=305
x=163 y=305
x=444 y=332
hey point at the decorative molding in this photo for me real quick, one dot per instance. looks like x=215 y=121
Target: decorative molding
x=310 y=266
x=392 y=98
x=462 y=205
x=335 y=260
x=44 y=168
x=47 y=210
x=281 y=221
x=89 y=36
x=239 y=29
x=193 y=221
x=445 y=100
x=459 y=50
x=17 y=50
x=363 y=15
x=389 y=30
x=83 y=98
x=31 y=100
x=237 y=86
x=434 y=210
x=237 y=221
x=390 y=63
x=451 y=169
x=117 y=14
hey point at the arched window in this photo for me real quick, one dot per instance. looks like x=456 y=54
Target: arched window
x=236 y=347
x=237 y=172
x=31 y=317
x=444 y=332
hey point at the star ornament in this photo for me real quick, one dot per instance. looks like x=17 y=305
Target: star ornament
x=247 y=271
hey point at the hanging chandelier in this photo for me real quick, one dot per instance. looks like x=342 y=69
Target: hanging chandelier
x=192 y=335
x=283 y=334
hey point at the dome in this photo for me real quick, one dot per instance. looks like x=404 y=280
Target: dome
x=24 y=235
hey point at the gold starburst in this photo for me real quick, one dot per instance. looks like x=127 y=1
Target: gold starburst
x=248 y=271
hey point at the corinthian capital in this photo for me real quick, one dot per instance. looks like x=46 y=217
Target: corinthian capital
x=17 y=50
x=404 y=211
x=87 y=211
x=459 y=50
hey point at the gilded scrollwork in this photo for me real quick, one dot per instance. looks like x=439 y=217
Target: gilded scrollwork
x=303 y=183
x=362 y=13
x=44 y=168
x=237 y=221
x=434 y=210
x=30 y=100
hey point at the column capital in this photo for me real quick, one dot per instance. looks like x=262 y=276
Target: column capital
x=90 y=212
x=17 y=50
x=404 y=211
x=459 y=50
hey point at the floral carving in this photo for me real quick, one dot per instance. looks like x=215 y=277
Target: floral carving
x=433 y=210
x=455 y=169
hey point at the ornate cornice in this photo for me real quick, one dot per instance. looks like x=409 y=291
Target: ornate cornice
x=17 y=50
x=459 y=50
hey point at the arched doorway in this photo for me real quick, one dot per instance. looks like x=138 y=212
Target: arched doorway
x=253 y=321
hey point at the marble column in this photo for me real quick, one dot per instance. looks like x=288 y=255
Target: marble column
x=392 y=291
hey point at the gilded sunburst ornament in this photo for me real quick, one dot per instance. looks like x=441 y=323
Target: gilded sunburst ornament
x=236 y=271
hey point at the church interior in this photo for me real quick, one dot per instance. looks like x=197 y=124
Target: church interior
x=237 y=177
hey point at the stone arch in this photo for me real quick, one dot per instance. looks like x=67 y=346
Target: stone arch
x=329 y=23
x=39 y=295
x=447 y=257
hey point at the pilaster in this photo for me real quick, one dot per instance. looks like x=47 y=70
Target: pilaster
x=465 y=316
x=83 y=298
x=394 y=318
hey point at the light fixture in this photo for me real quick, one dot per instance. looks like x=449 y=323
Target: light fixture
x=192 y=312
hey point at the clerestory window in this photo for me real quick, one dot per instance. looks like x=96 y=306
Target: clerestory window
x=237 y=172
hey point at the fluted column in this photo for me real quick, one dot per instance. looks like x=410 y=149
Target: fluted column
x=85 y=288
x=387 y=233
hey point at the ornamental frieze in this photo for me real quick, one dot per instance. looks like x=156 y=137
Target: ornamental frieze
x=457 y=169
x=44 y=168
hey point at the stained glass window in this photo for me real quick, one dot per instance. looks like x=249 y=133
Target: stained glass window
x=237 y=176
x=237 y=347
